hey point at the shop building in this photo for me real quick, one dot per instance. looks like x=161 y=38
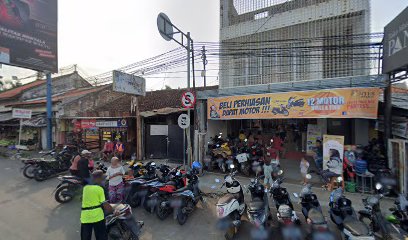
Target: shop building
x=32 y=96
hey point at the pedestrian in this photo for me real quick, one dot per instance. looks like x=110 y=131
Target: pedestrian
x=84 y=166
x=93 y=206
x=119 y=149
x=74 y=165
x=304 y=169
x=107 y=150
x=115 y=175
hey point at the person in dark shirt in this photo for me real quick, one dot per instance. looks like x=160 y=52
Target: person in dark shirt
x=83 y=166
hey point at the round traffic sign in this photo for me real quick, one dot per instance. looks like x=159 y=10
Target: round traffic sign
x=183 y=121
x=188 y=99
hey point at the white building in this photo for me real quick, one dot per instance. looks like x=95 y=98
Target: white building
x=276 y=41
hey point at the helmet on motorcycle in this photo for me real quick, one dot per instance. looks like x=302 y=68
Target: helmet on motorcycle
x=228 y=179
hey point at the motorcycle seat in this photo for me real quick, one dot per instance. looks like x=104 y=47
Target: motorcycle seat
x=356 y=227
x=226 y=199
x=255 y=205
x=71 y=177
x=316 y=216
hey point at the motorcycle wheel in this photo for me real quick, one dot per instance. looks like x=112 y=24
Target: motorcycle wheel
x=229 y=235
x=39 y=176
x=162 y=212
x=181 y=216
x=64 y=194
x=29 y=171
x=149 y=205
x=115 y=233
x=134 y=202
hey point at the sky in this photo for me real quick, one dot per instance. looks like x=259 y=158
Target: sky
x=102 y=35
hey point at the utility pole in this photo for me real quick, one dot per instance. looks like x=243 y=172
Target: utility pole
x=387 y=111
x=205 y=62
x=49 y=111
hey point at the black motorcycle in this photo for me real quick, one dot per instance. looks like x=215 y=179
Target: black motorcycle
x=258 y=209
x=31 y=164
x=122 y=225
x=284 y=206
x=46 y=169
x=282 y=110
x=70 y=186
x=295 y=103
x=343 y=215
x=185 y=200
x=378 y=224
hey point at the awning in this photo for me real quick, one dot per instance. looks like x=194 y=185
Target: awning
x=162 y=111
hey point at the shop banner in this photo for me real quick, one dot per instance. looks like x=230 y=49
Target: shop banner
x=113 y=124
x=333 y=150
x=88 y=123
x=314 y=133
x=334 y=103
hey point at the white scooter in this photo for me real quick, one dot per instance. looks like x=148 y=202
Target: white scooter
x=231 y=206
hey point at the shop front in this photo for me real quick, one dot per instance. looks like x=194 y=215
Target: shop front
x=348 y=112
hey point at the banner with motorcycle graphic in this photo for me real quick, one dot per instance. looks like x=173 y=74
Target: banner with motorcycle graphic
x=333 y=150
x=333 y=103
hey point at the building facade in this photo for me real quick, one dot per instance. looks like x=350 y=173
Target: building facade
x=274 y=41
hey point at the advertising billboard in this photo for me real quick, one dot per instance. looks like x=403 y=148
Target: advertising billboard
x=333 y=103
x=333 y=149
x=21 y=113
x=28 y=34
x=128 y=83
x=396 y=44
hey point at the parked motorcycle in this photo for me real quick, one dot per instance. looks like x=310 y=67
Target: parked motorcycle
x=286 y=214
x=183 y=201
x=31 y=164
x=256 y=158
x=221 y=154
x=376 y=221
x=231 y=206
x=243 y=159
x=46 y=169
x=399 y=213
x=162 y=191
x=343 y=215
x=258 y=210
x=123 y=226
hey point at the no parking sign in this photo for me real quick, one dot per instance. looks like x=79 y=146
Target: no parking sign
x=188 y=99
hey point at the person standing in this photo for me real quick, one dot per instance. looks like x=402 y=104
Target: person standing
x=115 y=175
x=119 y=149
x=107 y=150
x=93 y=206
x=74 y=165
x=304 y=169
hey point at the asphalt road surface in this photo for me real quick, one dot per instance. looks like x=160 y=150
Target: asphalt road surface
x=29 y=211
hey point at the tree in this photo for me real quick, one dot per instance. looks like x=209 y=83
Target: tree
x=167 y=87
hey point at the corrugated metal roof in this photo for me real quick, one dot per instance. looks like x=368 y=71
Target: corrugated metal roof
x=18 y=90
x=346 y=82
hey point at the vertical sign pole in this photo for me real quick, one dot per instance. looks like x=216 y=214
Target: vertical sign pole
x=387 y=111
x=188 y=87
x=49 y=112
x=19 y=133
x=184 y=148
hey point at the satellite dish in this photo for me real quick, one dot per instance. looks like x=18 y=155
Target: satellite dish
x=165 y=27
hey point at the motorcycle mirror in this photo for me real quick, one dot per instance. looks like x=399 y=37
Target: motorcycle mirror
x=308 y=176
x=295 y=195
x=339 y=179
x=378 y=186
x=280 y=172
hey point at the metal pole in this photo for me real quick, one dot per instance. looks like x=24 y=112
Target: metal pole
x=19 y=133
x=188 y=87
x=49 y=111
x=204 y=57
x=387 y=111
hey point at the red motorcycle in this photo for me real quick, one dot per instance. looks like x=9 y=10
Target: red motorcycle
x=161 y=191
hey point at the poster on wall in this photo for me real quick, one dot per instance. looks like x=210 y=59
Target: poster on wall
x=28 y=34
x=333 y=150
x=333 y=103
x=314 y=133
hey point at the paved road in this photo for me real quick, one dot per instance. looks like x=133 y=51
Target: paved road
x=29 y=211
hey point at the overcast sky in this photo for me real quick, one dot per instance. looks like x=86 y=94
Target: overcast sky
x=101 y=35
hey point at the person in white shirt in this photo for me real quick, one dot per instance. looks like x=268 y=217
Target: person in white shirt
x=115 y=175
x=304 y=168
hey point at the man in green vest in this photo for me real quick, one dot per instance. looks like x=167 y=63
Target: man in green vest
x=93 y=206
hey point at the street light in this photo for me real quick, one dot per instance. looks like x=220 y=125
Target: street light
x=170 y=32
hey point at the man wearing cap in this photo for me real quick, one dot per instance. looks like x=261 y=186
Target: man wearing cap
x=93 y=206
x=83 y=166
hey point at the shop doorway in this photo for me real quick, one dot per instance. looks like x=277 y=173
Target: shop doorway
x=164 y=141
